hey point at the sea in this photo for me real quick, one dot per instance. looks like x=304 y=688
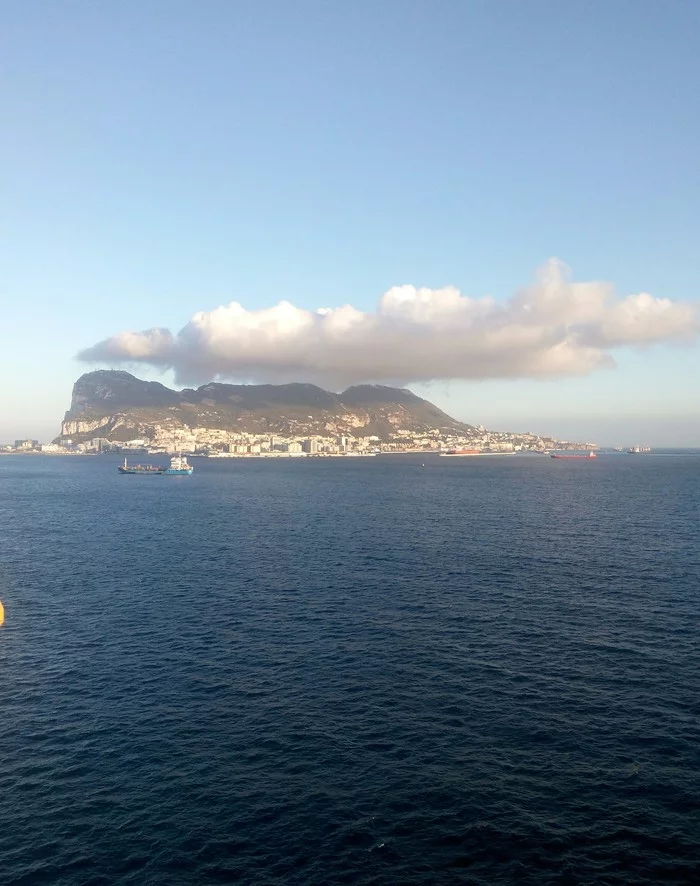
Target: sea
x=395 y=670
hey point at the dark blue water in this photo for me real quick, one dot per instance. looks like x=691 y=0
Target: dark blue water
x=361 y=671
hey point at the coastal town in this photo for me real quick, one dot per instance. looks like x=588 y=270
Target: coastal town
x=217 y=443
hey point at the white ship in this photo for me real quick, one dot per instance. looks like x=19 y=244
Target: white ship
x=179 y=465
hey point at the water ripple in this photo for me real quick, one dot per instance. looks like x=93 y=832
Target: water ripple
x=332 y=672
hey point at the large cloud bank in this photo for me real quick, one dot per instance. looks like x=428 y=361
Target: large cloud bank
x=553 y=328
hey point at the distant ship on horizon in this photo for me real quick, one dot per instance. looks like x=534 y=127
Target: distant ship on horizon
x=461 y=452
x=562 y=455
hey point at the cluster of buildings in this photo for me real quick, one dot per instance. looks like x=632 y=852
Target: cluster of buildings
x=212 y=443
x=67 y=447
x=223 y=444
x=280 y=445
x=24 y=446
x=220 y=443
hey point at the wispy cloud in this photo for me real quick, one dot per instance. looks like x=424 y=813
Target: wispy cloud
x=555 y=327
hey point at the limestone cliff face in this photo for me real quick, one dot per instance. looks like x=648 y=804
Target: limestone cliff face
x=117 y=427
x=77 y=428
x=104 y=392
x=118 y=406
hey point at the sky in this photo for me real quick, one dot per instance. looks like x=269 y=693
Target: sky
x=495 y=204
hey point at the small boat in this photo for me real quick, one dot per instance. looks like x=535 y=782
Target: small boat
x=585 y=457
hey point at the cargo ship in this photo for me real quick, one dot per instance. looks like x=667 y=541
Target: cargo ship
x=178 y=465
x=561 y=455
x=461 y=452
x=140 y=469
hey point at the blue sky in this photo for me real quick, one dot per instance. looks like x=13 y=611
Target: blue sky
x=164 y=158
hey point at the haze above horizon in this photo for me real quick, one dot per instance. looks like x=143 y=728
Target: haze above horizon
x=410 y=193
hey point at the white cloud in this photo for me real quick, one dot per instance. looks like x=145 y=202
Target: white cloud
x=554 y=327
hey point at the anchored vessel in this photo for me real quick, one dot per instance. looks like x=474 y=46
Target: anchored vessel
x=178 y=465
x=586 y=457
x=461 y=452
x=140 y=469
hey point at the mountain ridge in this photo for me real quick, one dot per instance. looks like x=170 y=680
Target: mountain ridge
x=118 y=406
